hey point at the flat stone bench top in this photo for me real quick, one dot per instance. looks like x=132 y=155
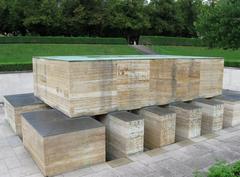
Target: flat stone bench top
x=119 y=57
x=231 y=98
x=126 y=116
x=20 y=100
x=208 y=101
x=52 y=122
x=230 y=92
x=186 y=106
x=159 y=110
x=229 y=95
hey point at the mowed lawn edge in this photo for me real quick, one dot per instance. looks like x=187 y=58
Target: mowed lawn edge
x=231 y=57
x=18 y=57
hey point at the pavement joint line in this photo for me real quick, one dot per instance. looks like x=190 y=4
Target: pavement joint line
x=119 y=162
x=156 y=152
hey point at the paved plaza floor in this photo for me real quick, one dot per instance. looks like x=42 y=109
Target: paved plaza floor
x=180 y=159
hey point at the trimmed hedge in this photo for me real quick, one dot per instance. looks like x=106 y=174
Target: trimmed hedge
x=60 y=40
x=175 y=41
x=235 y=64
x=15 y=67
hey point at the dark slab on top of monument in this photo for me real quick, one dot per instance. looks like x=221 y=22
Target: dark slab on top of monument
x=20 y=100
x=125 y=116
x=161 y=111
x=52 y=122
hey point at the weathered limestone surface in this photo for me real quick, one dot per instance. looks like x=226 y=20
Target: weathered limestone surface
x=125 y=134
x=212 y=115
x=188 y=121
x=94 y=85
x=15 y=105
x=159 y=126
x=231 y=100
x=59 y=144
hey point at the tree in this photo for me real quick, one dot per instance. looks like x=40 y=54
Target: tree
x=163 y=17
x=219 y=25
x=129 y=17
x=73 y=17
x=188 y=10
x=42 y=17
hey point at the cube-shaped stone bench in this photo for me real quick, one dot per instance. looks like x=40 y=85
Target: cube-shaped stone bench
x=59 y=144
x=159 y=126
x=15 y=105
x=188 y=120
x=231 y=115
x=125 y=134
x=212 y=115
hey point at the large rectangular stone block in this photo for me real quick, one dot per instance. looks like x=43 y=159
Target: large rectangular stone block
x=94 y=85
x=59 y=144
x=15 y=105
x=212 y=115
x=188 y=120
x=159 y=126
x=231 y=100
x=125 y=134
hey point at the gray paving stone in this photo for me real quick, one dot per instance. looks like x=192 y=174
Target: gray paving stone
x=226 y=155
x=175 y=167
x=36 y=175
x=178 y=155
x=200 y=163
x=206 y=147
x=155 y=175
x=106 y=173
x=160 y=171
x=6 y=152
x=133 y=169
x=14 y=141
x=140 y=157
x=100 y=167
x=24 y=171
x=3 y=167
x=5 y=175
x=193 y=151
x=12 y=162
x=79 y=172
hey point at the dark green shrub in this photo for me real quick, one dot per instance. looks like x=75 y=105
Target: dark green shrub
x=16 y=67
x=232 y=63
x=175 y=41
x=222 y=169
x=60 y=40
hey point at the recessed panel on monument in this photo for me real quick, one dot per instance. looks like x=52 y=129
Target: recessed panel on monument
x=93 y=85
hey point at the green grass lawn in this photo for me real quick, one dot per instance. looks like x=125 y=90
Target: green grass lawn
x=229 y=55
x=23 y=53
